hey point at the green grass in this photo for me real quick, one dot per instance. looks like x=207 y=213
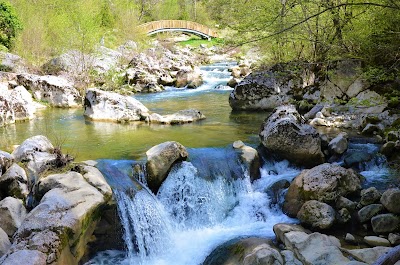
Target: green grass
x=196 y=42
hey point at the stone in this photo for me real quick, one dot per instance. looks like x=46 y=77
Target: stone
x=6 y=111
x=373 y=129
x=189 y=78
x=12 y=213
x=166 y=80
x=6 y=160
x=5 y=243
x=388 y=149
x=384 y=223
x=31 y=257
x=180 y=117
x=281 y=229
x=356 y=158
x=12 y=63
x=290 y=258
x=316 y=214
x=394 y=239
x=285 y=134
x=110 y=106
x=14 y=183
x=94 y=177
x=349 y=238
x=248 y=251
x=62 y=224
x=369 y=196
x=376 y=241
x=343 y=216
x=325 y=183
x=274 y=191
x=390 y=199
x=160 y=159
x=54 y=90
x=250 y=158
x=343 y=202
x=233 y=82
x=339 y=144
x=367 y=212
x=38 y=143
x=368 y=255
x=264 y=90
x=315 y=248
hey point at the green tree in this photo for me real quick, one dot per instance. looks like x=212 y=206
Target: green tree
x=10 y=25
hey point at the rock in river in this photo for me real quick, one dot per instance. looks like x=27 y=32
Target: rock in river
x=286 y=135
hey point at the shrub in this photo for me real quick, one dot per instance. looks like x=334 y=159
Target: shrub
x=10 y=25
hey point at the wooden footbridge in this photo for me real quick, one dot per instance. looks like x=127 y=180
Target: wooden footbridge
x=179 y=25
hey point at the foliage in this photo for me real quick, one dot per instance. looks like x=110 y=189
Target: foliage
x=196 y=42
x=10 y=25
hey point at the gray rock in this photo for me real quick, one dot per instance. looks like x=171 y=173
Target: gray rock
x=180 y=117
x=264 y=90
x=160 y=159
x=343 y=216
x=373 y=129
x=6 y=160
x=349 y=238
x=290 y=258
x=233 y=82
x=368 y=255
x=343 y=202
x=356 y=158
x=384 y=223
x=339 y=144
x=325 y=183
x=12 y=63
x=369 y=196
x=189 y=78
x=388 y=149
x=281 y=229
x=248 y=251
x=376 y=241
x=5 y=243
x=31 y=257
x=390 y=199
x=315 y=248
x=367 y=212
x=56 y=91
x=38 y=143
x=12 y=213
x=274 y=191
x=110 y=106
x=316 y=214
x=286 y=135
x=394 y=239
x=250 y=158
x=94 y=177
x=14 y=183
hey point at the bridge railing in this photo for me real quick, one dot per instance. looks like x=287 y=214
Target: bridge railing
x=178 y=24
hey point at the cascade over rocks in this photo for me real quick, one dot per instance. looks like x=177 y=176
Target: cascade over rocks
x=249 y=156
x=160 y=159
x=324 y=183
x=285 y=134
x=57 y=91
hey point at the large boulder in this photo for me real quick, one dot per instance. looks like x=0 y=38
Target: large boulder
x=180 y=117
x=324 y=183
x=160 y=159
x=316 y=214
x=12 y=63
x=59 y=228
x=286 y=135
x=264 y=90
x=54 y=90
x=110 y=106
x=248 y=251
x=390 y=199
x=14 y=183
x=5 y=243
x=385 y=223
x=12 y=213
x=189 y=78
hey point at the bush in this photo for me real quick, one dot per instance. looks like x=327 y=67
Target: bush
x=10 y=25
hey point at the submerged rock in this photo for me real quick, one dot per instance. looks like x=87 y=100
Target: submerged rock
x=286 y=135
x=324 y=183
x=180 y=117
x=248 y=251
x=160 y=159
x=56 y=91
x=110 y=106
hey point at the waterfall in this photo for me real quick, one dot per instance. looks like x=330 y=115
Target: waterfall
x=193 y=212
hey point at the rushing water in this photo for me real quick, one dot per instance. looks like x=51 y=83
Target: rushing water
x=94 y=140
x=192 y=212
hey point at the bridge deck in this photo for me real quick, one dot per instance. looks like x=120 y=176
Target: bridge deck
x=160 y=25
